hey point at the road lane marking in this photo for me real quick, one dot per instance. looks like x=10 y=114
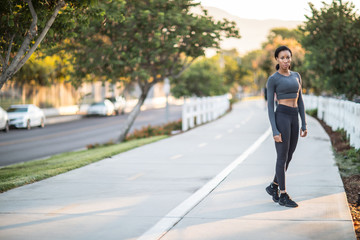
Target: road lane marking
x=237 y=125
x=136 y=176
x=219 y=136
x=176 y=156
x=178 y=213
x=230 y=130
x=248 y=118
x=202 y=145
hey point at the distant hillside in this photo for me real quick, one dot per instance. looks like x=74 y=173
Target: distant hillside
x=253 y=32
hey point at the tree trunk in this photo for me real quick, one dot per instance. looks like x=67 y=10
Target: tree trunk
x=133 y=115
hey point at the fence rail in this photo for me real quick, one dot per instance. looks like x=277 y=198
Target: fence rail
x=338 y=114
x=196 y=111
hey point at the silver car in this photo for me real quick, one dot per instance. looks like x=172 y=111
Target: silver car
x=26 y=116
x=4 y=120
x=102 y=108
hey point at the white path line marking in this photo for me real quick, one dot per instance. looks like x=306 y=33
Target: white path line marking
x=237 y=125
x=230 y=130
x=176 y=156
x=218 y=136
x=174 y=216
x=136 y=176
x=202 y=145
x=248 y=118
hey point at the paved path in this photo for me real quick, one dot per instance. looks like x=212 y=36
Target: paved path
x=209 y=182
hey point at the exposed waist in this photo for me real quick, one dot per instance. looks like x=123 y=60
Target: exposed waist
x=288 y=102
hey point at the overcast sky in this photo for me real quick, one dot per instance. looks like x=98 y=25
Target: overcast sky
x=269 y=9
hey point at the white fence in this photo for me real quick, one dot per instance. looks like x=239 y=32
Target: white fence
x=338 y=114
x=196 y=111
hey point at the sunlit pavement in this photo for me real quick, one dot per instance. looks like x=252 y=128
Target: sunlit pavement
x=210 y=182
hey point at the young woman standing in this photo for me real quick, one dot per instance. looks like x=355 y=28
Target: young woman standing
x=284 y=121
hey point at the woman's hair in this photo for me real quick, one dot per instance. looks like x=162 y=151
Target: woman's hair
x=278 y=50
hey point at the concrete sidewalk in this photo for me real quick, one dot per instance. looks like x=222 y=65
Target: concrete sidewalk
x=142 y=193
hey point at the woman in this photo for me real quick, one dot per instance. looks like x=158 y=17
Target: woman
x=284 y=122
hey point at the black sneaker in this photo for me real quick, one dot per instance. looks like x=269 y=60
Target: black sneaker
x=286 y=201
x=273 y=191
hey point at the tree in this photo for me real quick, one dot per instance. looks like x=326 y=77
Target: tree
x=202 y=78
x=25 y=23
x=276 y=38
x=285 y=33
x=158 y=39
x=235 y=73
x=256 y=78
x=332 y=41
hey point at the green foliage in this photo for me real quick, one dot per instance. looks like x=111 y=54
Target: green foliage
x=42 y=70
x=203 y=78
x=312 y=112
x=157 y=39
x=16 y=19
x=255 y=77
x=348 y=162
x=234 y=71
x=28 y=172
x=26 y=23
x=285 y=33
x=332 y=41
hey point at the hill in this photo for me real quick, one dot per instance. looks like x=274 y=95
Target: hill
x=253 y=32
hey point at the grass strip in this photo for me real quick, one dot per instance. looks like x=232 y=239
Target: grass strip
x=29 y=172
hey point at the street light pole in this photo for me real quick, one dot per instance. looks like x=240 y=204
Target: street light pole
x=167 y=92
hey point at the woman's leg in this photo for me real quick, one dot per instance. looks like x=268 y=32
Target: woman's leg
x=294 y=136
x=283 y=123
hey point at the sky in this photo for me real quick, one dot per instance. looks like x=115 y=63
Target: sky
x=270 y=9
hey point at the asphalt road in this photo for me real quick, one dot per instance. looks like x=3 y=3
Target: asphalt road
x=20 y=145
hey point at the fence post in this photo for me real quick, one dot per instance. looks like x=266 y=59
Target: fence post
x=204 y=109
x=184 y=115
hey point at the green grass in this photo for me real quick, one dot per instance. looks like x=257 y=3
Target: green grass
x=29 y=172
x=348 y=162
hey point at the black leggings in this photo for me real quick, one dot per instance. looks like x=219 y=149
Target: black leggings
x=287 y=123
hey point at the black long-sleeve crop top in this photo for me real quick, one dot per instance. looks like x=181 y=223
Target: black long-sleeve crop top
x=285 y=87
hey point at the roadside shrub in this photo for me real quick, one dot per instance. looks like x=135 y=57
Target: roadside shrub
x=312 y=112
x=149 y=131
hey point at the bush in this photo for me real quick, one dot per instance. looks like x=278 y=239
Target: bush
x=312 y=112
x=149 y=131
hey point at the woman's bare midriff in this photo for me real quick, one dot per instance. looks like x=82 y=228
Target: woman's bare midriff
x=291 y=102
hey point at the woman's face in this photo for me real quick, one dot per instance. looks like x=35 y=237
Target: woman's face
x=284 y=59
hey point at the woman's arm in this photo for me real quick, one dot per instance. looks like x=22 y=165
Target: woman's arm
x=301 y=107
x=270 y=95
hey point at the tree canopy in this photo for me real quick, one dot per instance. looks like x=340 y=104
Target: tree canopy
x=25 y=23
x=332 y=41
x=202 y=78
x=157 y=39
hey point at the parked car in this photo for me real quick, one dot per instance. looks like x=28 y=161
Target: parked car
x=4 y=120
x=26 y=116
x=102 y=108
x=119 y=104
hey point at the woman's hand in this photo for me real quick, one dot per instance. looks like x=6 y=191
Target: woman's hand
x=303 y=133
x=277 y=138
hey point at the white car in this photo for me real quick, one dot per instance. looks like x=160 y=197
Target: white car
x=4 y=120
x=103 y=108
x=119 y=104
x=26 y=116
